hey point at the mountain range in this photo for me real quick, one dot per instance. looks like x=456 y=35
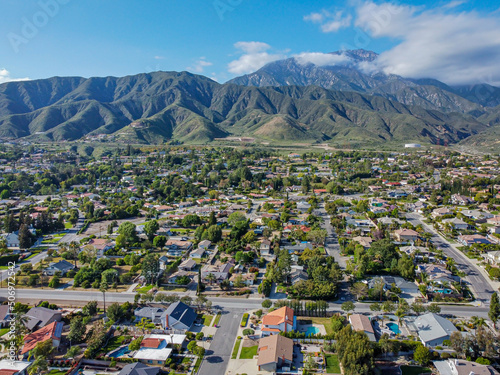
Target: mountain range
x=285 y=101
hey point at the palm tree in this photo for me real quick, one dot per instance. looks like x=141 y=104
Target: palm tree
x=74 y=249
x=211 y=278
x=39 y=366
x=477 y=322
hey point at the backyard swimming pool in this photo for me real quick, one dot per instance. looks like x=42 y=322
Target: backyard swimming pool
x=312 y=331
x=394 y=328
x=119 y=352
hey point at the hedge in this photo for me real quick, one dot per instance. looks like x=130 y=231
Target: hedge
x=244 y=320
x=4 y=260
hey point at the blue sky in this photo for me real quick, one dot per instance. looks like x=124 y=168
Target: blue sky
x=455 y=41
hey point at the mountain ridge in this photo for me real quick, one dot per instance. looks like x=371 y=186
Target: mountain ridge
x=161 y=106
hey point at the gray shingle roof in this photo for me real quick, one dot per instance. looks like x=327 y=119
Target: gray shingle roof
x=432 y=327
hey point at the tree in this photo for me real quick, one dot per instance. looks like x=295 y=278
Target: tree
x=39 y=365
x=199 y=351
x=433 y=308
x=76 y=330
x=418 y=308
x=191 y=220
x=267 y=303
x=115 y=312
x=355 y=352
x=348 y=306
x=376 y=307
x=385 y=343
x=422 y=355
x=150 y=228
x=135 y=344
x=388 y=307
x=360 y=290
x=317 y=237
x=73 y=352
x=54 y=282
x=90 y=309
x=160 y=241
x=25 y=237
x=494 y=312
x=214 y=233
x=236 y=217
x=74 y=249
x=150 y=268
x=103 y=288
x=127 y=234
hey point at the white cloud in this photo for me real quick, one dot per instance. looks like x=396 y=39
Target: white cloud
x=254 y=57
x=159 y=58
x=457 y=48
x=454 y=4
x=200 y=65
x=5 y=77
x=321 y=59
x=330 y=22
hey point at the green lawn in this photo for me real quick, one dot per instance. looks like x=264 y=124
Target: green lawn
x=197 y=365
x=332 y=364
x=144 y=289
x=3 y=331
x=113 y=344
x=236 y=348
x=414 y=370
x=68 y=225
x=57 y=372
x=249 y=353
x=217 y=319
x=207 y=319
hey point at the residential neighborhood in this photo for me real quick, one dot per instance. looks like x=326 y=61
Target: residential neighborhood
x=226 y=261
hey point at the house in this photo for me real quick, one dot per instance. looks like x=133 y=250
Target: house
x=151 y=313
x=406 y=235
x=248 y=278
x=11 y=239
x=303 y=206
x=366 y=242
x=63 y=266
x=53 y=332
x=494 y=221
x=440 y=212
x=38 y=317
x=205 y=244
x=139 y=368
x=197 y=254
x=460 y=200
x=163 y=261
x=298 y=275
x=178 y=247
x=280 y=320
x=433 y=329
x=101 y=245
x=265 y=248
x=455 y=223
x=178 y=316
x=172 y=279
x=5 y=314
x=275 y=352
x=408 y=289
x=219 y=270
x=462 y=367
x=187 y=265
x=436 y=273
x=9 y=367
x=492 y=257
x=471 y=239
x=155 y=349
x=362 y=323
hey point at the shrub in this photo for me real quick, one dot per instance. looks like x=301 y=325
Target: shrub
x=244 y=320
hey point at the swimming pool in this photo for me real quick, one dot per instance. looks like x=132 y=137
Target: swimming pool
x=394 y=328
x=119 y=352
x=312 y=331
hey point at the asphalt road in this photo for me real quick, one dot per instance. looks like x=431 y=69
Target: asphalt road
x=478 y=283
x=332 y=246
x=219 y=354
x=79 y=298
